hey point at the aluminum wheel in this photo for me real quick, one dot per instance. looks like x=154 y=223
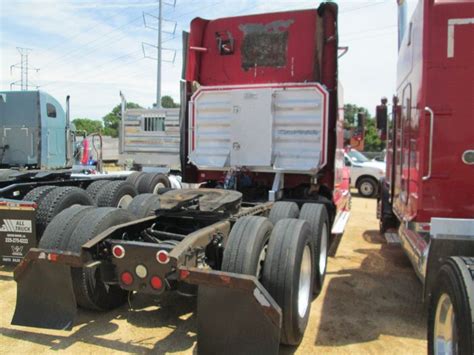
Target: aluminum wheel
x=366 y=188
x=261 y=260
x=323 y=251
x=445 y=332
x=304 y=288
x=125 y=201
x=158 y=186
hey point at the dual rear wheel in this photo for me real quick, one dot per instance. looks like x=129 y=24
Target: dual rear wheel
x=288 y=256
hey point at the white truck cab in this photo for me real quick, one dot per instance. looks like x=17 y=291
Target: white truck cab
x=365 y=173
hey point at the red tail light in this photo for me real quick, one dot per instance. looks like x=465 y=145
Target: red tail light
x=162 y=257
x=156 y=283
x=126 y=278
x=118 y=251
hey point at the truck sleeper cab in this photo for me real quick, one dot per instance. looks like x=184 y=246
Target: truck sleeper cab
x=261 y=136
x=428 y=192
x=33 y=131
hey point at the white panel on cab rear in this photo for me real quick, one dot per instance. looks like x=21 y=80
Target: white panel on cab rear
x=251 y=128
x=297 y=129
x=279 y=127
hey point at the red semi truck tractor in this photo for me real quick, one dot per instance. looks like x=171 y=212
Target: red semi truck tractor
x=262 y=149
x=428 y=192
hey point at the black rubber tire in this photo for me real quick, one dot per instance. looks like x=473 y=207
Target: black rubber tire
x=148 y=183
x=283 y=209
x=57 y=200
x=95 y=187
x=164 y=190
x=456 y=279
x=58 y=232
x=38 y=193
x=317 y=217
x=370 y=181
x=248 y=237
x=144 y=205
x=90 y=291
x=281 y=274
x=135 y=177
x=111 y=193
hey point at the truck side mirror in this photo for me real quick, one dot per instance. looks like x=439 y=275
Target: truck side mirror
x=381 y=118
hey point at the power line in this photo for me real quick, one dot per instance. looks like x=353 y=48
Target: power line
x=24 y=67
x=362 y=7
x=75 y=50
x=368 y=31
x=79 y=33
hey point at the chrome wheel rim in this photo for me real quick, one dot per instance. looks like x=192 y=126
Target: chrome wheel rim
x=261 y=260
x=125 y=201
x=305 y=282
x=323 y=251
x=157 y=187
x=445 y=332
x=366 y=189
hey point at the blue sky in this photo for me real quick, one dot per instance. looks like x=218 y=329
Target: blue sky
x=93 y=49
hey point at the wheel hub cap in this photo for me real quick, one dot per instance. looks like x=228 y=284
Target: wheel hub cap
x=124 y=201
x=305 y=282
x=157 y=187
x=445 y=332
x=323 y=251
x=366 y=188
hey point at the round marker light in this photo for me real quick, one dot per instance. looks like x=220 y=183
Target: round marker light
x=126 y=278
x=141 y=271
x=118 y=251
x=156 y=283
x=162 y=257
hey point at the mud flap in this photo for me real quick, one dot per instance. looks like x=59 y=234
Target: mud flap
x=45 y=297
x=236 y=315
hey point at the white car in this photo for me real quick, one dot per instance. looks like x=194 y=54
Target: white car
x=365 y=173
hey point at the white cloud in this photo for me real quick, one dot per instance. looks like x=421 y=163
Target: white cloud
x=92 y=49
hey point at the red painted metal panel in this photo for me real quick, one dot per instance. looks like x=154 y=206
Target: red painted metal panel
x=436 y=62
x=296 y=30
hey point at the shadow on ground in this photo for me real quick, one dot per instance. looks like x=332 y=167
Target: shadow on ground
x=172 y=316
x=363 y=303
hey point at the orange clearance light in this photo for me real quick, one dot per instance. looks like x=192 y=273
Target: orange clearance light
x=126 y=278
x=156 y=283
x=118 y=251
x=162 y=257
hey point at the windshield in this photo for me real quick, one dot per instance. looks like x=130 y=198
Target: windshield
x=357 y=157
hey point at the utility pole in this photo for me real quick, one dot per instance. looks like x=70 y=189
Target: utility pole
x=159 y=46
x=24 y=68
x=158 y=65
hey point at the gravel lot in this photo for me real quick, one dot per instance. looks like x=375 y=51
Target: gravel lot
x=371 y=304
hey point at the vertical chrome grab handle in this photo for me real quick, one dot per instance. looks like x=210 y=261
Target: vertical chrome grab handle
x=430 y=153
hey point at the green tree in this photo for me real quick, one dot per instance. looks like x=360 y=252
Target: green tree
x=112 y=119
x=372 y=142
x=168 y=102
x=88 y=125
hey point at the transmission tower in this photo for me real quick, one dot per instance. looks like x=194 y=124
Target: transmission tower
x=23 y=66
x=159 y=47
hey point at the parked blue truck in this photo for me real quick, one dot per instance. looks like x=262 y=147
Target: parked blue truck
x=35 y=131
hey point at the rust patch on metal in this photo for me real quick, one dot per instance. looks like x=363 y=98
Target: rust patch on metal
x=264 y=45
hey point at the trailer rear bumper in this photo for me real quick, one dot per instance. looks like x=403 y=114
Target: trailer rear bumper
x=236 y=314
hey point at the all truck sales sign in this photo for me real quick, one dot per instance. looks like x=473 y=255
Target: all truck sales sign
x=17 y=234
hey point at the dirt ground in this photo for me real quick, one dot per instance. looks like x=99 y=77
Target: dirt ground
x=371 y=304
